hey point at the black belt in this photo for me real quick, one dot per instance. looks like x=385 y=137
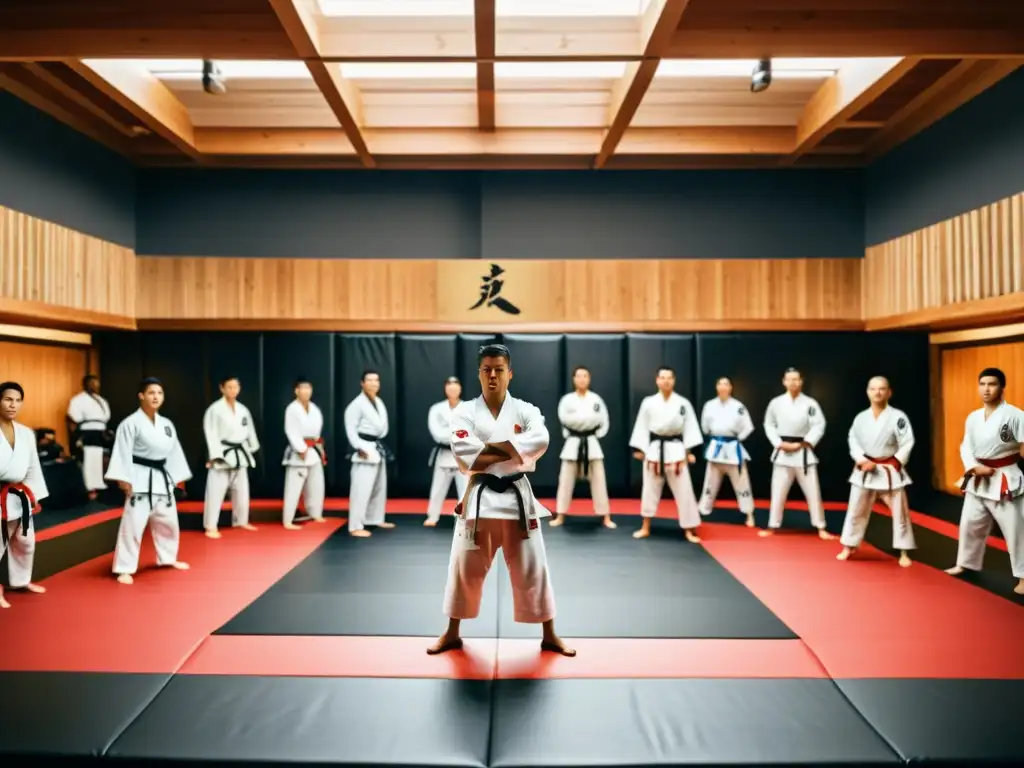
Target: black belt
x=662 y=439
x=154 y=465
x=240 y=452
x=435 y=452
x=499 y=485
x=721 y=440
x=379 y=442
x=27 y=503
x=793 y=439
x=94 y=438
x=583 y=452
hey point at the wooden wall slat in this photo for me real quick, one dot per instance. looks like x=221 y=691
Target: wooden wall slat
x=46 y=263
x=977 y=255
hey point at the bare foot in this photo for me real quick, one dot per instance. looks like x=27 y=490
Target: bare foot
x=750 y=521
x=1019 y=589
x=905 y=560
x=429 y=523
x=212 y=533
x=363 y=534
x=845 y=554
x=557 y=520
x=248 y=527
x=386 y=525
x=825 y=535
x=692 y=537
x=180 y=566
x=555 y=645
x=956 y=570
x=292 y=526
x=445 y=643
x=36 y=589
x=319 y=519
x=125 y=578
x=93 y=495
x=643 y=533
x=765 y=533
x=4 y=603
x=609 y=523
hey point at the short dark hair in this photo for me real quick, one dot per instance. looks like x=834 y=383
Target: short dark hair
x=493 y=350
x=579 y=368
x=12 y=385
x=452 y=380
x=300 y=380
x=225 y=379
x=87 y=378
x=996 y=374
x=668 y=368
x=148 y=382
x=791 y=369
x=723 y=378
x=370 y=372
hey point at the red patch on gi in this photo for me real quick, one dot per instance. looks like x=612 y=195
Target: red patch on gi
x=462 y=434
x=518 y=429
x=533 y=524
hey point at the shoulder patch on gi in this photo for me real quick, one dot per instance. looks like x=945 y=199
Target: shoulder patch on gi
x=741 y=410
x=901 y=424
x=167 y=431
x=597 y=407
x=462 y=434
x=1006 y=432
x=682 y=410
x=245 y=421
x=518 y=429
x=811 y=411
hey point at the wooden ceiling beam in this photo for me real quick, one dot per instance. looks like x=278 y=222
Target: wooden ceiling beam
x=842 y=96
x=300 y=21
x=144 y=96
x=658 y=25
x=486 y=38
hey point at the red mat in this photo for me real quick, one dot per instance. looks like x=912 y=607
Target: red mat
x=87 y=622
x=484 y=659
x=867 y=617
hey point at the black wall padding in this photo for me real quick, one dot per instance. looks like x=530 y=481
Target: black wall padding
x=424 y=363
x=645 y=354
x=357 y=353
x=537 y=360
x=605 y=357
x=413 y=367
x=286 y=356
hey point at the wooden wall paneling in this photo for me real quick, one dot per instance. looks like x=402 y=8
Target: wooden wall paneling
x=958 y=376
x=975 y=257
x=50 y=375
x=412 y=295
x=44 y=267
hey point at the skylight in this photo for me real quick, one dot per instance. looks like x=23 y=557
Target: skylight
x=503 y=8
x=396 y=7
x=562 y=70
x=445 y=70
x=781 y=68
x=187 y=69
x=570 y=8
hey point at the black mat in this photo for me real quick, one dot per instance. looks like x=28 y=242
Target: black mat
x=311 y=720
x=606 y=585
x=679 y=722
x=69 y=714
x=945 y=721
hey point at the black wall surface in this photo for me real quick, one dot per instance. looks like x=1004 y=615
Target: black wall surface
x=413 y=367
x=788 y=213
x=54 y=173
x=972 y=157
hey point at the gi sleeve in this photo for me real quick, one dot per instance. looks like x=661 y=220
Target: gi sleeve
x=857 y=452
x=817 y=430
x=563 y=416
x=293 y=430
x=771 y=425
x=177 y=465
x=967 y=448
x=384 y=418
x=746 y=425
x=692 y=436
x=251 y=440
x=466 y=446
x=439 y=423
x=75 y=410
x=352 y=418
x=34 y=477
x=532 y=442
x=640 y=440
x=214 y=448
x=119 y=469
x=605 y=419
x=1017 y=427
x=904 y=439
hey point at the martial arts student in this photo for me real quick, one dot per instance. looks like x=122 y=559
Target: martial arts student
x=497 y=439
x=881 y=439
x=22 y=487
x=993 y=483
x=584 y=419
x=794 y=424
x=664 y=436
x=147 y=463
x=445 y=468
x=304 y=456
x=230 y=444
x=89 y=412
x=726 y=422
x=366 y=426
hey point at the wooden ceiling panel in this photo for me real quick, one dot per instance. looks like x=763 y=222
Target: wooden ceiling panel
x=923 y=75
x=262 y=103
x=551 y=109
x=569 y=37
x=397 y=37
x=412 y=109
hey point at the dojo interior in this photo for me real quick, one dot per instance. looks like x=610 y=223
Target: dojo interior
x=331 y=199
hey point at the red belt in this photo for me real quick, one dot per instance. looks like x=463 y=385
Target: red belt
x=316 y=443
x=998 y=463
x=889 y=461
x=28 y=506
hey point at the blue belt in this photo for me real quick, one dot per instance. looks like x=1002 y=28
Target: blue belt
x=720 y=441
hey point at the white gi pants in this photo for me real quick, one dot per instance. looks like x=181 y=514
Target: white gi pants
x=162 y=520
x=367 y=495
x=440 y=483
x=682 y=491
x=782 y=481
x=218 y=482
x=569 y=475
x=858 y=513
x=976 y=524
x=533 y=599
x=21 y=553
x=307 y=483
x=92 y=468
x=714 y=473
